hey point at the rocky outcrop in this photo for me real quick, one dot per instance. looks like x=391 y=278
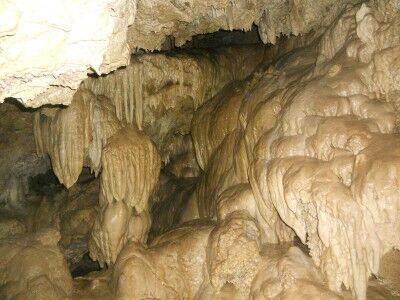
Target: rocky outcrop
x=33 y=267
x=86 y=37
x=18 y=159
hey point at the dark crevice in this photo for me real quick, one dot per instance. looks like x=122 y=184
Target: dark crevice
x=170 y=200
x=85 y=266
x=46 y=184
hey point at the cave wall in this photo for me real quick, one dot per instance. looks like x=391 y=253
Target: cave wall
x=293 y=141
x=18 y=158
x=90 y=37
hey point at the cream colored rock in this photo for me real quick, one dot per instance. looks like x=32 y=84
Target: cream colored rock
x=236 y=198
x=131 y=166
x=61 y=42
x=316 y=137
x=291 y=275
x=75 y=136
x=217 y=177
x=190 y=260
x=32 y=266
x=89 y=133
x=341 y=132
x=173 y=267
x=234 y=252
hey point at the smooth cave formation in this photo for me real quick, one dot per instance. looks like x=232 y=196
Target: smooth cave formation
x=189 y=149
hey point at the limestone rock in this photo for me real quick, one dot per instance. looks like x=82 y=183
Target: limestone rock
x=61 y=42
x=189 y=260
x=290 y=276
x=33 y=267
x=316 y=137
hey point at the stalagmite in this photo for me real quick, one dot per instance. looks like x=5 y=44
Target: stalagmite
x=189 y=260
x=290 y=276
x=131 y=166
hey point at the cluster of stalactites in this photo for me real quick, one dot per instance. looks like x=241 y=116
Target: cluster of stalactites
x=157 y=81
x=88 y=133
x=130 y=170
x=74 y=137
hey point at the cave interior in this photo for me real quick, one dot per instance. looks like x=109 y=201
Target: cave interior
x=186 y=150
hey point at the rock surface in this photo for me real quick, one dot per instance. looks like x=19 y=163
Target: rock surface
x=266 y=145
x=47 y=49
x=33 y=267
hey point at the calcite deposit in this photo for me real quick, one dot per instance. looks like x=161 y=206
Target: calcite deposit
x=239 y=172
x=317 y=140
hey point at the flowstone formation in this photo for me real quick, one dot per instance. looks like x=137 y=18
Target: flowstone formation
x=315 y=134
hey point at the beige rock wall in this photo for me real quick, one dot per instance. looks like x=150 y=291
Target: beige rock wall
x=48 y=48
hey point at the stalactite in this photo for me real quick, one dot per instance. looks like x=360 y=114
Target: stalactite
x=138 y=95
x=74 y=136
x=157 y=88
x=132 y=184
x=62 y=135
x=89 y=133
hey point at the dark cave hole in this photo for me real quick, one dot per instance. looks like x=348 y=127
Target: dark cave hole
x=170 y=199
x=84 y=266
x=303 y=247
x=46 y=184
